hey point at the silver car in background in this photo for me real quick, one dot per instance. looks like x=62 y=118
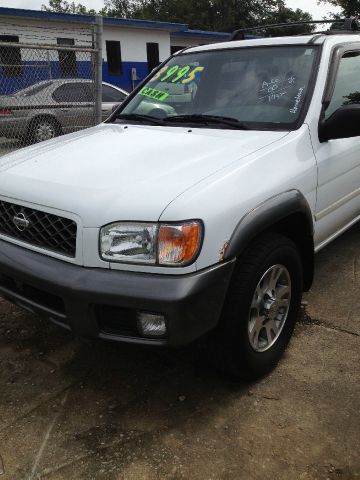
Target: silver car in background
x=54 y=107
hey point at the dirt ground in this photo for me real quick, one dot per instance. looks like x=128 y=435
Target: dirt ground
x=77 y=409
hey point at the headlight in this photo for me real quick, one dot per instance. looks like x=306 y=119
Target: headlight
x=151 y=243
x=129 y=242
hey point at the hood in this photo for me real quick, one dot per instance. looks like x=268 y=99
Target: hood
x=122 y=172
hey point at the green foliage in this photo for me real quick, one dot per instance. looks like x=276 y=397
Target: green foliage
x=352 y=98
x=213 y=15
x=284 y=15
x=349 y=8
x=218 y=15
x=62 y=6
x=118 y=8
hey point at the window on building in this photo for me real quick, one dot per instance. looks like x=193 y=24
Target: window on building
x=73 y=93
x=67 y=58
x=113 y=54
x=152 y=50
x=10 y=57
x=175 y=48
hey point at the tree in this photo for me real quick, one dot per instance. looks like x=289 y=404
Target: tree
x=285 y=15
x=219 y=15
x=118 y=8
x=213 y=15
x=349 y=8
x=62 y=6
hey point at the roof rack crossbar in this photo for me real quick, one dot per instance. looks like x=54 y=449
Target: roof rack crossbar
x=350 y=24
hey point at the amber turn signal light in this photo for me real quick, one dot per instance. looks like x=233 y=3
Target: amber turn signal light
x=179 y=244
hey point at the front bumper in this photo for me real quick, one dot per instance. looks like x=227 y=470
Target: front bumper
x=13 y=127
x=103 y=303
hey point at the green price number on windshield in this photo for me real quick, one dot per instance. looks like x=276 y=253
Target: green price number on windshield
x=170 y=72
x=159 y=73
x=181 y=73
x=178 y=74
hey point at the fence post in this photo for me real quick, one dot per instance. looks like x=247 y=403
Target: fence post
x=98 y=67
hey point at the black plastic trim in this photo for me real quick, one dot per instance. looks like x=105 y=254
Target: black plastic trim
x=263 y=217
x=191 y=303
x=350 y=24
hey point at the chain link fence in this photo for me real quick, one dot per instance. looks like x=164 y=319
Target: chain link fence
x=47 y=91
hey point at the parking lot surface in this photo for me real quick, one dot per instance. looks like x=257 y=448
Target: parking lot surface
x=73 y=408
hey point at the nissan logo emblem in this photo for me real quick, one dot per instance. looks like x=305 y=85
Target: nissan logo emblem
x=21 y=222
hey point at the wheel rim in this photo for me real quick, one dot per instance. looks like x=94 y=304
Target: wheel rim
x=44 y=131
x=269 y=308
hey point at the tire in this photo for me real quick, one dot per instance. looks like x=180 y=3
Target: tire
x=256 y=325
x=43 y=128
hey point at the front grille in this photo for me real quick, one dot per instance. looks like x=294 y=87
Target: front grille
x=40 y=229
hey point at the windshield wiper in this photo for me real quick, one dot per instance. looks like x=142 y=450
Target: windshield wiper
x=207 y=119
x=140 y=117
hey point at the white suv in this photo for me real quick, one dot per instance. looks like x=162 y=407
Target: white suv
x=157 y=228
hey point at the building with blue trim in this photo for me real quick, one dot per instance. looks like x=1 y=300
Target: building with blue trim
x=131 y=48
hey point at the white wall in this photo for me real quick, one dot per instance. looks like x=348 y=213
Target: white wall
x=133 y=42
x=183 y=41
x=190 y=42
x=39 y=32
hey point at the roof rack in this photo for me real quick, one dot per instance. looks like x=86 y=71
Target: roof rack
x=347 y=25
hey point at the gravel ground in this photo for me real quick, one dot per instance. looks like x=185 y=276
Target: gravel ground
x=77 y=409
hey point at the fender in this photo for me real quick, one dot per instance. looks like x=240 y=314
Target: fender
x=271 y=213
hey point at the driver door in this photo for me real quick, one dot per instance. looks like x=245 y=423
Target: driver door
x=338 y=195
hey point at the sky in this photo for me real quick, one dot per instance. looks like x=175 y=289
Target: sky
x=311 y=6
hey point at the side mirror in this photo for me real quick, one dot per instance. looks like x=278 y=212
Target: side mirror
x=343 y=123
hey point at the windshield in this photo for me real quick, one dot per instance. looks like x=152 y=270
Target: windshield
x=265 y=86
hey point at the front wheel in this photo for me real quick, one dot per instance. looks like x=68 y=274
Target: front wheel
x=261 y=308
x=43 y=129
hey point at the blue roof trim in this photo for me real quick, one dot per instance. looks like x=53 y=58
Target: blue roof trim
x=202 y=34
x=70 y=17
x=132 y=22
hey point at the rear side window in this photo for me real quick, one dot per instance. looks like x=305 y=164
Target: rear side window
x=73 y=93
x=110 y=94
x=347 y=86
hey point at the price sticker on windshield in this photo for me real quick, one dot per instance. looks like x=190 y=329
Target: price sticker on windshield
x=180 y=74
x=153 y=93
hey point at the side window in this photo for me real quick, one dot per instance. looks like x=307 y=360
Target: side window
x=112 y=95
x=10 y=57
x=347 y=86
x=73 y=93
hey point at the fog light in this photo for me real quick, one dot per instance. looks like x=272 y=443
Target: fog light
x=151 y=324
